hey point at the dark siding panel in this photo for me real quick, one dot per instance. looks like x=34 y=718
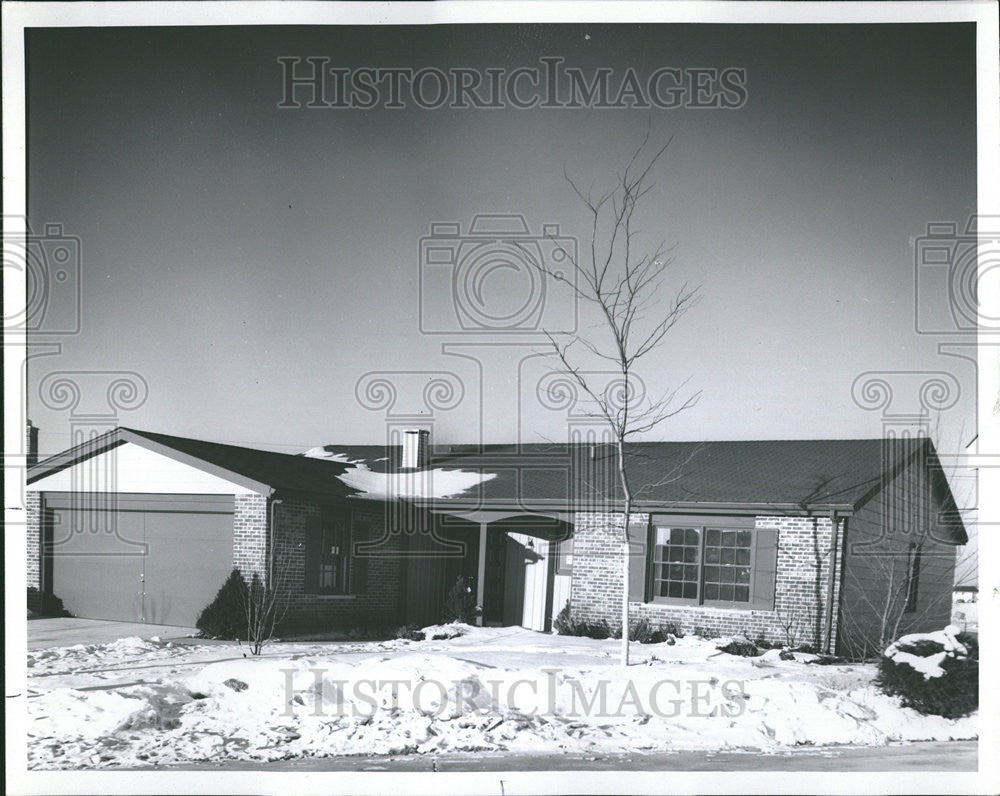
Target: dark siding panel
x=876 y=550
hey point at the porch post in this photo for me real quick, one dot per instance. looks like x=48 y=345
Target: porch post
x=481 y=572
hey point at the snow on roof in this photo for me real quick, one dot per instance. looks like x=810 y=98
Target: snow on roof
x=426 y=483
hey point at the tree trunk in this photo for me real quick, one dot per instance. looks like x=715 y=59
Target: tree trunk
x=625 y=568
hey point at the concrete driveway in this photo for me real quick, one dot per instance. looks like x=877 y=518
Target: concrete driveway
x=65 y=632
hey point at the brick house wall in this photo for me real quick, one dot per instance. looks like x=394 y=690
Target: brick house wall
x=33 y=519
x=250 y=534
x=376 y=603
x=803 y=569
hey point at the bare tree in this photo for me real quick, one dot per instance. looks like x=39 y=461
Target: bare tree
x=624 y=284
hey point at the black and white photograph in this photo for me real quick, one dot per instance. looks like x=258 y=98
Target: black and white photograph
x=500 y=397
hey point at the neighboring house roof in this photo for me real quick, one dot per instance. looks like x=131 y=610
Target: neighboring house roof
x=779 y=476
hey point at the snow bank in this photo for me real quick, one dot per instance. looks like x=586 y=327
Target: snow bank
x=426 y=483
x=483 y=689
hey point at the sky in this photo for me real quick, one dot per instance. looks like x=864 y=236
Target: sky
x=252 y=263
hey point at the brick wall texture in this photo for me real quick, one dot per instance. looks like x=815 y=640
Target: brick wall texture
x=803 y=569
x=33 y=518
x=375 y=600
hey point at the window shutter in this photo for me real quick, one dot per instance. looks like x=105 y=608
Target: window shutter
x=638 y=538
x=765 y=566
x=313 y=540
x=360 y=532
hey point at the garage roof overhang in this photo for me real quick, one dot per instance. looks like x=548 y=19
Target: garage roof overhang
x=121 y=436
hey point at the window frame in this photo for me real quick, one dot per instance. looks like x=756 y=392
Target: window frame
x=702 y=525
x=330 y=519
x=564 y=556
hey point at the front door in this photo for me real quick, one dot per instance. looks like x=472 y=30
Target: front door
x=495 y=575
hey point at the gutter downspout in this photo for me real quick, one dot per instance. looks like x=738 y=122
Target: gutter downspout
x=831 y=579
x=271 y=542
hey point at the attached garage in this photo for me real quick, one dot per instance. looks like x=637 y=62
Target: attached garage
x=136 y=557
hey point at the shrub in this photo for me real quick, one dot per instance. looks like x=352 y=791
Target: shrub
x=742 y=647
x=225 y=617
x=410 y=633
x=563 y=620
x=566 y=625
x=672 y=629
x=953 y=693
x=641 y=631
x=44 y=604
x=460 y=605
x=644 y=633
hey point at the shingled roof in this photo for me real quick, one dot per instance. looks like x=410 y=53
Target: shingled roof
x=780 y=476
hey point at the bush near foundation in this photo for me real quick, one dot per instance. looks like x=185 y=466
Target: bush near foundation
x=225 y=617
x=935 y=673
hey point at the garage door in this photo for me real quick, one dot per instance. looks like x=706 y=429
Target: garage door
x=139 y=558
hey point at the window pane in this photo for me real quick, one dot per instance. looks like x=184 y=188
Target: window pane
x=677 y=536
x=742 y=556
x=728 y=555
x=691 y=536
x=675 y=589
x=675 y=553
x=691 y=572
x=676 y=571
x=742 y=594
x=690 y=554
x=713 y=537
x=728 y=574
x=743 y=539
x=711 y=555
x=729 y=538
x=743 y=574
x=711 y=574
x=726 y=592
x=690 y=590
x=711 y=591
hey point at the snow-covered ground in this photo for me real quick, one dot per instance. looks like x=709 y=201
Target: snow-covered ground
x=145 y=702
